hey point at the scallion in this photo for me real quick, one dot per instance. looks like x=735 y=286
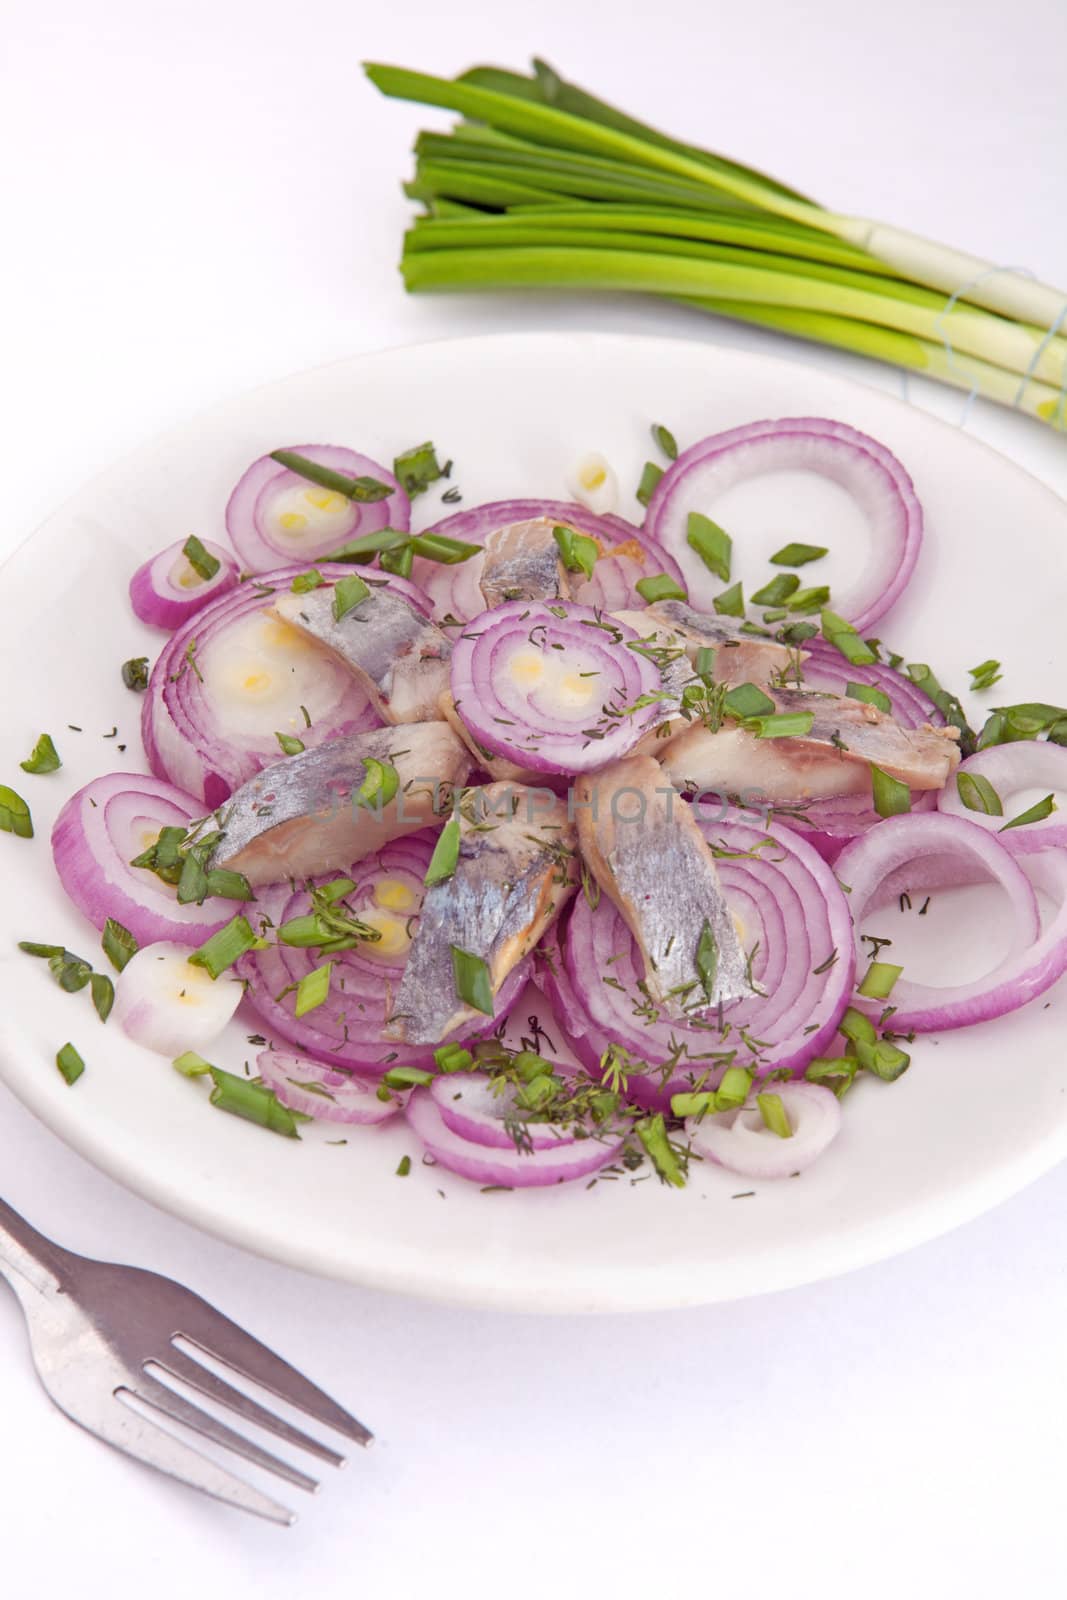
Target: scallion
x=985 y=675
x=891 y=797
x=778 y=591
x=69 y=1063
x=290 y=745
x=731 y=602
x=775 y=1117
x=43 y=757
x=252 y=1101
x=798 y=555
x=135 y=673
x=649 y=480
x=1037 y=813
x=578 y=551
x=843 y=636
x=118 y=944
x=652 y=1132
x=748 y=700
x=473 y=985
x=879 y=979
x=445 y=856
x=869 y=695
x=659 y=586
x=380 y=784
x=217 y=954
x=14 y=814
x=417 y=468
x=348 y=593
x=313 y=989
x=712 y=544
x=666 y=441
x=978 y=794
x=203 y=563
x=363 y=490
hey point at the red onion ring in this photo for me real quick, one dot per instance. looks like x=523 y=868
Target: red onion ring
x=827 y=669
x=251 y=513
x=1025 y=764
x=742 y=1142
x=159 y=596
x=859 y=464
x=98 y=833
x=471 y=1108
x=336 y=1096
x=512 y=1169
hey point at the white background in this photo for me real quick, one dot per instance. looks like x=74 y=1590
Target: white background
x=200 y=197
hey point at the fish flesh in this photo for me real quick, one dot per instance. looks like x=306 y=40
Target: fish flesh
x=522 y=562
x=847 y=738
x=515 y=871
x=301 y=816
x=739 y=657
x=639 y=839
x=400 y=656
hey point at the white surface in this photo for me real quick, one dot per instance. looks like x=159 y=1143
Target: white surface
x=910 y=1163
x=199 y=197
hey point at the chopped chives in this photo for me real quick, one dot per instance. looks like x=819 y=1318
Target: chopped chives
x=253 y=1101
x=978 y=794
x=14 y=814
x=891 y=797
x=807 y=601
x=884 y=1059
x=783 y=725
x=870 y=695
x=843 y=636
x=712 y=544
x=706 y=960
x=313 y=989
x=190 y=1065
x=778 y=591
x=361 y=489
x=472 y=981
x=290 y=745
x=203 y=563
x=335 y=890
x=836 y=1072
x=798 y=555
x=731 y=603
x=1037 y=813
x=856 y=1027
x=304 y=933
x=646 y=488
x=363 y=550
x=103 y=992
x=70 y=1063
x=445 y=854
x=985 y=675
x=774 y=1115
x=417 y=468
x=659 y=587
x=399 y=561
x=795 y=633
x=118 y=943
x=748 y=700
x=380 y=784
x=733 y=1089
x=404 y=1167
x=228 y=945
x=135 y=673
x=652 y=1132
x=348 y=593
x=452 y=1058
x=304 y=582
x=407 y=1077
x=43 y=757
x=693 y=1105
x=448 y=552
x=577 y=551
x=704 y=665
x=879 y=979
x=228 y=885
x=666 y=441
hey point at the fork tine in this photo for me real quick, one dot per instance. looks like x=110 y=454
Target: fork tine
x=181 y=1365
x=150 y=1392
x=224 y=1341
x=144 y=1441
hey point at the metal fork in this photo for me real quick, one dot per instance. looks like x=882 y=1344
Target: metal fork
x=100 y=1331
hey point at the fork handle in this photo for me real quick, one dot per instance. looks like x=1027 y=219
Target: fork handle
x=27 y=1255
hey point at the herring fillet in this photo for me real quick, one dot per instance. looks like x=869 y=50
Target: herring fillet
x=522 y=562
x=400 y=656
x=739 y=657
x=299 y=816
x=514 y=874
x=639 y=839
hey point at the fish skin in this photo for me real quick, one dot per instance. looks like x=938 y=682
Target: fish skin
x=654 y=863
x=400 y=656
x=510 y=883
x=522 y=563
x=739 y=657
x=297 y=818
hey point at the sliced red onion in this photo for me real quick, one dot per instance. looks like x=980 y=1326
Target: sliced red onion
x=1036 y=959
x=512 y=1169
x=629 y=554
x=1011 y=768
x=742 y=1142
x=869 y=472
x=546 y=690
x=167 y=590
x=324 y=1092
x=827 y=669
x=348 y=1027
x=169 y=1006
x=275 y=516
x=473 y=1110
x=99 y=832
x=794 y=917
x=232 y=679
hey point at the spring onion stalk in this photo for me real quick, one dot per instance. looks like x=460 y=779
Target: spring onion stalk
x=543 y=185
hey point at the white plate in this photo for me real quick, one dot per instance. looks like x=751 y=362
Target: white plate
x=981 y=1112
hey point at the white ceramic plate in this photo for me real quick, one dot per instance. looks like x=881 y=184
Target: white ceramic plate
x=981 y=1112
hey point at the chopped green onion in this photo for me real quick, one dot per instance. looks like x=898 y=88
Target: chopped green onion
x=774 y=1115
x=748 y=700
x=291 y=746
x=71 y=972
x=807 y=601
x=857 y=1028
x=217 y=954
x=363 y=550
x=313 y=989
x=646 y=488
x=733 y=1089
x=659 y=587
x=884 y=1059
x=135 y=673
x=706 y=960
x=452 y=1058
x=797 y=632
x=407 y=1077
x=666 y=441
x=697 y=1104
x=203 y=563
x=118 y=943
x=335 y=890
x=363 y=490
x=380 y=783
x=731 y=603
x=253 y=1101
x=577 y=551
x=448 y=552
x=103 y=992
x=843 y=636
x=305 y=933
x=783 y=725
x=43 y=757
x=712 y=544
x=416 y=469
x=70 y=1063
x=348 y=593
x=190 y=1065
x=445 y=854
x=704 y=665
x=985 y=675
x=948 y=705
x=399 y=561
x=404 y=1167
x=304 y=582
x=45 y=951
x=778 y=591
x=879 y=979
x=978 y=794
x=836 y=1072
x=472 y=980
x=228 y=885
x=192 y=883
x=14 y=814
x=891 y=797
x=652 y=1132
x=798 y=555
x=870 y=695
x=1037 y=813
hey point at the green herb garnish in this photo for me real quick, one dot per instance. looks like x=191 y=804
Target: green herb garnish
x=1037 y=813
x=203 y=563
x=577 y=551
x=217 y=954
x=417 y=468
x=891 y=797
x=879 y=979
x=43 y=757
x=712 y=544
x=666 y=441
x=731 y=602
x=445 y=854
x=348 y=593
x=985 y=675
x=659 y=587
x=448 y=552
x=305 y=582
x=135 y=673
x=650 y=476
x=870 y=695
x=290 y=745
x=363 y=490
x=706 y=960
x=380 y=784
x=798 y=555
x=252 y=1101
x=748 y=700
x=70 y=1063
x=773 y=1112
x=783 y=725
x=778 y=591
x=14 y=814
x=978 y=794
x=843 y=636
x=652 y=1132
x=118 y=944
x=472 y=981
x=313 y=989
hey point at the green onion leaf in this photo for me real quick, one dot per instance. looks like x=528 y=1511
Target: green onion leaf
x=783 y=725
x=447 y=552
x=652 y=1132
x=706 y=960
x=103 y=992
x=891 y=797
x=365 y=491
x=71 y=972
x=304 y=582
x=577 y=551
x=45 y=951
x=884 y=1059
x=704 y=665
x=407 y=1077
x=778 y=591
x=380 y=783
x=224 y=884
x=857 y=1028
x=135 y=673
x=666 y=441
x=452 y=1058
x=733 y=1089
x=43 y=757
x=217 y=954
x=313 y=989
x=335 y=890
x=70 y=1063
x=348 y=593
x=253 y=1101
x=712 y=544
x=879 y=979
x=659 y=587
x=1037 y=813
x=118 y=943
x=445 y=854
x=305 y=933
x=697 y=1104
x=363 y=550
x=416 y=469
x=871 y=696
x=190 y=1065
x=748 y=700
x=836 y=1072
x=14 y=814
x=798 y=555
x=807 y=601
x=203 y=563
x=948 y=705
x=843 y=636
x=978 y=794
x=731 y=603
x=985 y=675
x=797 y=632
x=192 y=882
x=291 y=746
x=774 y=1115
x=399 y=561
x=472 y=980
x=404 y=1167
x=650 y=476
